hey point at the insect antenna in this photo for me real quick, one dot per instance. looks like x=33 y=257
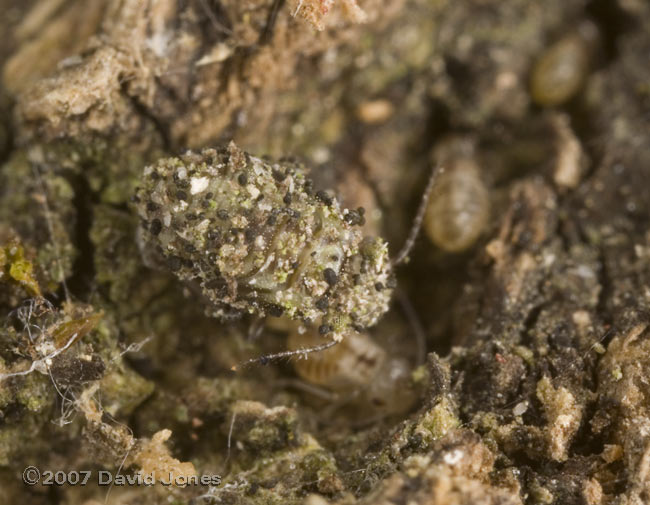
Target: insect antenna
x=417 y=222
x=267 y=358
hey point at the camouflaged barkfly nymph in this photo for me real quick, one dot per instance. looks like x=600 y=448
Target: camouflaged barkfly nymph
x=257 y=238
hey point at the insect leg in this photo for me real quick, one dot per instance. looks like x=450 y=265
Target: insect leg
x=265 y=359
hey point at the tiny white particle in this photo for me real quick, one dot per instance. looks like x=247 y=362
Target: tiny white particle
x=520 y=408
x=198 y=184
x=180 y=206
x=203 y=226
x=158 y=43
x=254 y=192
x=585 y=272
x=321 y=155
x=451 y=458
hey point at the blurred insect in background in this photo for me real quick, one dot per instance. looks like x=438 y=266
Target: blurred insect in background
x=561 y=70
x=359 y=368
x=459 y=208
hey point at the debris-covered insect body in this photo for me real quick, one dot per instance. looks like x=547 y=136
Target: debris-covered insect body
x=257 y=238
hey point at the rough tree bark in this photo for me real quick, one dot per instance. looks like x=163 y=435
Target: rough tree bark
x=534 y=388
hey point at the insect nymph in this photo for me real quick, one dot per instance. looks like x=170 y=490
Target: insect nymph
x=257 y=238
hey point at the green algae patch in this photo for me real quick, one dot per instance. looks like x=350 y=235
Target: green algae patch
x=15 y=267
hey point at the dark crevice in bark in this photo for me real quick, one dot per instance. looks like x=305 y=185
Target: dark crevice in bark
x=81 y=282
x=141 y=109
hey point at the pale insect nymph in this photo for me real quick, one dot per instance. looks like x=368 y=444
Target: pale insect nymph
x=358 y=367
x=257 y=238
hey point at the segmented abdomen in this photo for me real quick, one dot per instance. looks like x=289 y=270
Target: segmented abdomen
x=351 y=364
